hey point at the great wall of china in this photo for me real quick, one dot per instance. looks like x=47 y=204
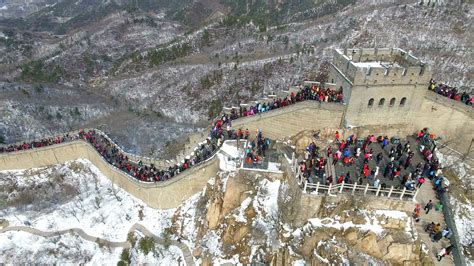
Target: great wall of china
x=362 y=82
x=277 y=124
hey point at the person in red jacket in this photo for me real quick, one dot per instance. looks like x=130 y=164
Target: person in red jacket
x=337 y=136
x=421 y=181
x=340 y=179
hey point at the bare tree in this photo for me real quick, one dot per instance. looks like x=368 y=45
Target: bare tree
x=97 y=202
x=70 y=211
x=79 y=204
x=114 y=192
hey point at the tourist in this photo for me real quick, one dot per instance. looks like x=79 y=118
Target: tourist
x=437 y=236
x=429 y=228
x=416 y=214
x=330 y=180
x=347 y=179
x=436 y=229
x=428 y=206
x=377 y=182
x=444 y=252
x=379 y=158
x=337 y=136
x=447 y=233
x=420 y=182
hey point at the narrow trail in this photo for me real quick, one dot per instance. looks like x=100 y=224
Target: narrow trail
x=188 y=258
x=427 y=193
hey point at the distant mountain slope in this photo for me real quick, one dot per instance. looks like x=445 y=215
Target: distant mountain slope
x=184 y=60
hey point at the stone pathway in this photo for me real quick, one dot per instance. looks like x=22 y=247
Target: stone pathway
x=188 y=258
x=427 y=193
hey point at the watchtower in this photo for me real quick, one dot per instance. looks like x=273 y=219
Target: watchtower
x=381 y=86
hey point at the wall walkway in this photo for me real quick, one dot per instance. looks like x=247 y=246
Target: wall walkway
x=291 y=120
x=283 y=122
x=161 y=195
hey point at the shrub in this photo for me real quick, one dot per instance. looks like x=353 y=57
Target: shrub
x=214 y=108
x=125 y=256
x=146 y=244
x=166 y=235
x=131 y=238
x=39 y=88
x=37 y=71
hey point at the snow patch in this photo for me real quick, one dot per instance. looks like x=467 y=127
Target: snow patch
x=111 y=220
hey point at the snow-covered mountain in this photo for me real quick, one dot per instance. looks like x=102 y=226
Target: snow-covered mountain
x=154 y=61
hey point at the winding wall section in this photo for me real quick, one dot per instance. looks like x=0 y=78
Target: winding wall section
x=161 y=195
x=276 y=124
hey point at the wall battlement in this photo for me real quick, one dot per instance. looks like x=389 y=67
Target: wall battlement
x=386 y=66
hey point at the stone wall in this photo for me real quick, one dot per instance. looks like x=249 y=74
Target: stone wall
x=451 y=120
x=162 y=195
x=392 y=75
x=359 y=113
x=290 y=120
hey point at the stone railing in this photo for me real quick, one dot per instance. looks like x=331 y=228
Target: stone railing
x=74 y=136
x=165 y=194
x=292 y=168
x=353 y=189
x=443 y=100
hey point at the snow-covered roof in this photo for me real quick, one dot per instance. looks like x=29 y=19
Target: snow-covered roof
x=376 y=64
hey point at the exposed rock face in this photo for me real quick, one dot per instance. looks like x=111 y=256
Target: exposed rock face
x=249 y=217
x=392 y=223
x=387 y=248
x=234 y=195
x=235 y=231
x=400 y=253
x=385 y=243
x=214 y=213
x=311 y=241
x=304 y=138
x=369 y=245
x=239 y=211
x=351 y=236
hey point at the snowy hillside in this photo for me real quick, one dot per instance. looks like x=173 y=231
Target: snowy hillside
x=75 y=195
x=152 y=66
x=71 y=213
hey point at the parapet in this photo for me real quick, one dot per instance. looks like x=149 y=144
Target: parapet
x=381 y=66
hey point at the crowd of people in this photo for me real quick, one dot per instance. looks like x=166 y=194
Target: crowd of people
x=451 y=92
x=315 y=93
x=221 y=130
x=256 y=149
x=39 y=143
x=393 y=159
x=437 y=232
x=387 y=166
x=113 y=155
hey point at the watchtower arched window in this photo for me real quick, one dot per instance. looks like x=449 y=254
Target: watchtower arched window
x=392 y=102
x=371 y=103
x=403 y=101
x=381 y=102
